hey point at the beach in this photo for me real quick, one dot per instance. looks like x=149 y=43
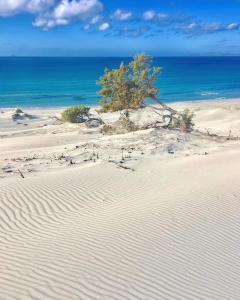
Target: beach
x=149 y=214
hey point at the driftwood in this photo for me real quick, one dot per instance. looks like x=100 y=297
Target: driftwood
x=207 y=134
x=173 y=114
x=125 y=167
x=21 y=174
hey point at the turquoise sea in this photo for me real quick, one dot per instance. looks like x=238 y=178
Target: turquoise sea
x=51 y=82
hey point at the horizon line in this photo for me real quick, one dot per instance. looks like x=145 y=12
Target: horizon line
x=128 y=56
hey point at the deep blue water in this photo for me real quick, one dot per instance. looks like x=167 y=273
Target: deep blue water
x=42 y=82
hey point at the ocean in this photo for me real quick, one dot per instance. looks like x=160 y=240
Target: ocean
x=60 y=82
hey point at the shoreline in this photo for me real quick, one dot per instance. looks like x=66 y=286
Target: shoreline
x=97 y=106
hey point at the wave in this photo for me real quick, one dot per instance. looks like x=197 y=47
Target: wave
x=209 y=93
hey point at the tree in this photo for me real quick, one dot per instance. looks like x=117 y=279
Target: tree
x=129 y=86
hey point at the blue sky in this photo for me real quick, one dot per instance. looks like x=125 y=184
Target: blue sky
x=119 y=28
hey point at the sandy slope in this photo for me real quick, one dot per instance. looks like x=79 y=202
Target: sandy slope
x=168 y=230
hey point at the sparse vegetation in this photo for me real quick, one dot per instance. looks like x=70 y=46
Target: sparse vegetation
x=184 y=121
x=126 y=89
x=107 y=129
x=19 y=114
x=76 y=114
x=124 y=122
x=122 y=125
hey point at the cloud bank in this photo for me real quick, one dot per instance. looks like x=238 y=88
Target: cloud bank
x=91 y=13
x=66 y=12
x=12 y=7
x=199 y=28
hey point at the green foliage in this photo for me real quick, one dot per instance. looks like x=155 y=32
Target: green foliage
x=128 y=86
x=76 y=114
x=185 y=121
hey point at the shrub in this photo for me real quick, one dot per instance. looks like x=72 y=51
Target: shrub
x=185 y=121
x=124 y=122
x=19 y=114
x=18 y=111
x=122 y=125
x=107 y=129
x=76 y=114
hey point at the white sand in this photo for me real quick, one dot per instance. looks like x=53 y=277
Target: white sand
x=167 y=230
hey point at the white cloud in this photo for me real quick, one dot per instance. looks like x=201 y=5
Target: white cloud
x=199 y=28
x=66 y=12
x=121 y=15
x=11 y=7
x=133 y=32
x=48 y=23
x=187 y=25
x=83 y=9
x=39 y=5
x=95 y=19
x=104 y=26
x=52 y=13
x=160 y=18
x=233 y=26
x=149 y=15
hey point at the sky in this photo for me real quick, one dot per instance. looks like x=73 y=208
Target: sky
x=119 y=27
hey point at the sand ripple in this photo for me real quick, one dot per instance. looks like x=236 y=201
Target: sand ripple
x=170 y=230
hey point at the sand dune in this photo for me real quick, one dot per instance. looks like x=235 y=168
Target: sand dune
x=168 y=230
x=216 y=116
x=142 y=235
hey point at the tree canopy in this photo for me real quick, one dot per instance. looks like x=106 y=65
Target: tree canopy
x=130 y=85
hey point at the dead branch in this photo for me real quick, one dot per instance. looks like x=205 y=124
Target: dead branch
x=21 y=174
